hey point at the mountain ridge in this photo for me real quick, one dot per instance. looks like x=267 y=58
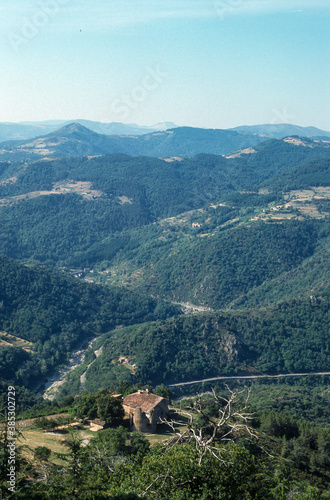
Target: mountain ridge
x=31 y=129
x=25 y=130
x=281 y=130
x=74 y=140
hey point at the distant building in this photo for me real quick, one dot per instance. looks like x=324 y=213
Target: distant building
x=145 y=410
x=96 y=424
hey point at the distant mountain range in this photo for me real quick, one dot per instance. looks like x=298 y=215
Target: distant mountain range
x=75 y=140
x=30 y=130
x=280 y=130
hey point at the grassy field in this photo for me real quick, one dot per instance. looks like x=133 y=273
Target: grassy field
x=32 y=437
x=163 y=433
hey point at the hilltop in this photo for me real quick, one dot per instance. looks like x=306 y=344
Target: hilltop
x=280 y=130
x=30 y=130
x=74 y=140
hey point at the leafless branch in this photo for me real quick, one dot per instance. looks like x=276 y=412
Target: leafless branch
x=165 y=477
x=233 y=421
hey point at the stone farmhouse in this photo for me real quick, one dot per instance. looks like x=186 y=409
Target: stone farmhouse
x=145 y=410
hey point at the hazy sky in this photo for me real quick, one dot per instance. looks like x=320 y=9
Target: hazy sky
x=207 y=63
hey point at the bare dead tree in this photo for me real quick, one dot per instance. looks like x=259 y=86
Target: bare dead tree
x=164 y=478
x=233 y=421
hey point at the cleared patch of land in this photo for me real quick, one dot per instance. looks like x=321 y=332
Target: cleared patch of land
x=31 y=437
x=82 y=188
x=189 y=308
x=298 y=204
x=125 y=199
x=11 y=340
x=172 y=158
x=10 y=180
x=238 y=154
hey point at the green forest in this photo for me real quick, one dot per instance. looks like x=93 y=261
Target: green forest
x=271 y=455
x=164 y=271
x=291 y=337
x=56 y=314
x=134 y=192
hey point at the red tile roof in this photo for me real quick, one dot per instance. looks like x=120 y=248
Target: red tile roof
x=143 y=399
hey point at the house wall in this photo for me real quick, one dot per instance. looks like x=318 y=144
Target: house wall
x=142 y=422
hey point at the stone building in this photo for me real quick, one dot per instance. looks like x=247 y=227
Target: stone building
x=145 y=410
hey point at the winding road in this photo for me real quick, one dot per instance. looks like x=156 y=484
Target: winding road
x=248 y=377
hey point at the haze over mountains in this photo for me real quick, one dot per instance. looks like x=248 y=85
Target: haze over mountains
x=30 y=130
x=282 y=130
x=74 y=140
x=77 y=140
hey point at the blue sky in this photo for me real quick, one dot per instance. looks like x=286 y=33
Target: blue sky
x=207 y=63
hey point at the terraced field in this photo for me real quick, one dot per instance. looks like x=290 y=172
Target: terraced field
x=11 y=340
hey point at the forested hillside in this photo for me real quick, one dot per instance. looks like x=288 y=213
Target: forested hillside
x=63 y=208
x=245 y=230
x=74 y=140
x=45 y=315
x=218 y=266
x=111 y=250
x=291 y=337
